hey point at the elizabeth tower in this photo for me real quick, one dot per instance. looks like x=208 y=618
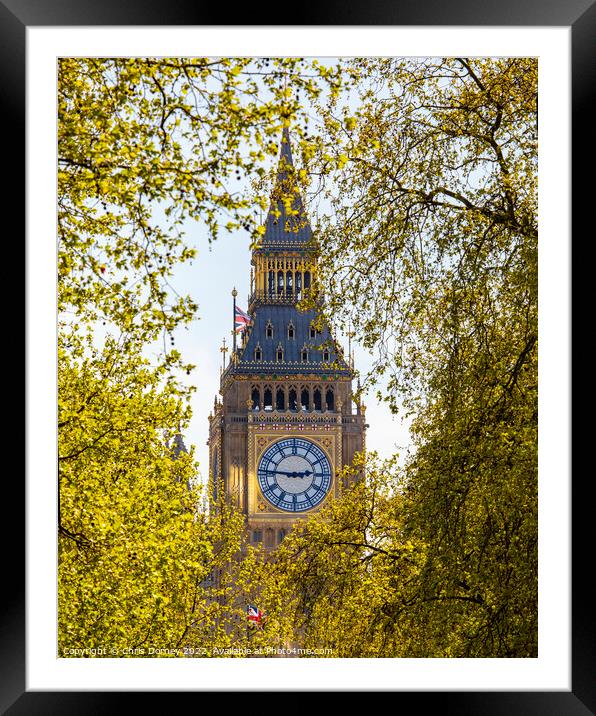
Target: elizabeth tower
x=285 y=422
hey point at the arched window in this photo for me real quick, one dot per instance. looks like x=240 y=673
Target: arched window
x=316 y=399
x=280 y=399
x=258 y=352
x=255 y=397
x=314 y=332
x=298 y=285
x=326 y=356
x=291 y=330
x=289 y=282
x=271 y=281
x=267 y=399
x=279 y=353
x=307 y=280
x=329 y=399
x=304 y=399
x=269 y=329
x=257 y=535
x=281 y=536
x=292 y=399
x=304 y=354
x=280 y=282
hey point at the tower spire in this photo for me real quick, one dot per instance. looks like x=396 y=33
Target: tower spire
x=287 y=226
x=285 y=153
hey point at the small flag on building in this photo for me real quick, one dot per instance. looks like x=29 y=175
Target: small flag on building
x=254 y=616
x=241 y=320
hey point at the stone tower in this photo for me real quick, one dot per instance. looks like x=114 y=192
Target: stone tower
x=286 y=421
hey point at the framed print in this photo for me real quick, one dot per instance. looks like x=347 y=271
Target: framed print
x=282 y=372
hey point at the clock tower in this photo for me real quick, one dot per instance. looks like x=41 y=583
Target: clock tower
x=285 y=422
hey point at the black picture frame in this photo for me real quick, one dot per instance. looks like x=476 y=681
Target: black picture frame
x=580 y=16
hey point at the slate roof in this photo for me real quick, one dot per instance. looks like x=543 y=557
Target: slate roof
x=276 y=235
x=280 y=317
x=178 y=445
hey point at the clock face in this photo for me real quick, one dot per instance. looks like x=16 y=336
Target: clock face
x=294 y=475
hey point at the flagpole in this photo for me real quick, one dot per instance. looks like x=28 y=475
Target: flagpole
x=234 y=294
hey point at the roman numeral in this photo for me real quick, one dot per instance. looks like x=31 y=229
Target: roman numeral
x=318 y=489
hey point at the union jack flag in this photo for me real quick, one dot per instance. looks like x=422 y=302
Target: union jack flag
x=254 y=616
x=241 y=320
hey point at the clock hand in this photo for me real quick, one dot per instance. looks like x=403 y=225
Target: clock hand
x=306 y=473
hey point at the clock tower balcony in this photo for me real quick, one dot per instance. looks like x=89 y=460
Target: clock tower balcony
x=264 y=415
x=296 y=417
x=280 y=297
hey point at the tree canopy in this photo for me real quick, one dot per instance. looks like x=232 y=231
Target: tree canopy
x=145 y=145
x=428 y=252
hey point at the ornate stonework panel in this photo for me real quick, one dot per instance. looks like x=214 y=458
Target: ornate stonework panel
x=261 y=435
